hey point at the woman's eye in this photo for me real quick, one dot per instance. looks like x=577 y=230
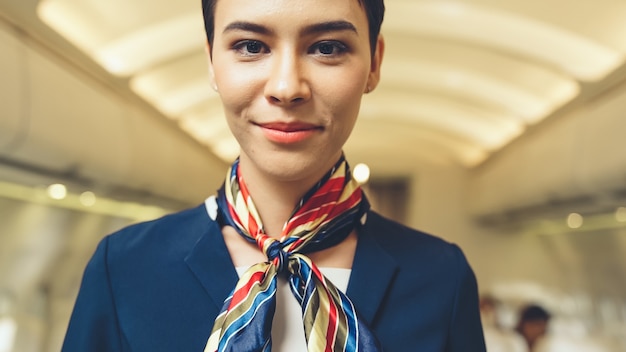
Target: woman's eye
x=250 y=47
x=329 y=48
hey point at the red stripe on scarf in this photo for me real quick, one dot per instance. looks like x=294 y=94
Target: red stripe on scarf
x=241 y=294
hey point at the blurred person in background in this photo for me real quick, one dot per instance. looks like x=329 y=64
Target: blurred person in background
x=498 y=338
x=287 y=256
x=533 y=325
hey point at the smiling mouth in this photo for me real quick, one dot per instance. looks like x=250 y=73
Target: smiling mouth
x=288 y=133
x=289 y=127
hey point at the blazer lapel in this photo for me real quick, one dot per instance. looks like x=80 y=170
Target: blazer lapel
x=211 y=264
x=373 y=271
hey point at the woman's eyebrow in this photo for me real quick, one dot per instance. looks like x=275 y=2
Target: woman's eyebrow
x=247 y=26
x=330 y=26
x=322 y=27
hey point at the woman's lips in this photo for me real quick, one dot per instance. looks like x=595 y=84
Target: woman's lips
x=288 y=133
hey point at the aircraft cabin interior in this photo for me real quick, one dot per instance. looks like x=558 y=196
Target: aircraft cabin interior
x=498 y=125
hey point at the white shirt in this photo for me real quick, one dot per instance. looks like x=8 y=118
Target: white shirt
x=287 y=328
x=503 y=341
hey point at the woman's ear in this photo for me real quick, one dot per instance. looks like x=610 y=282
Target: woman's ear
x=377 y=60
x=207 y=48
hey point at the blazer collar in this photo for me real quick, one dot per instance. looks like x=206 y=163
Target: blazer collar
x=210 y=262
x=373 y=271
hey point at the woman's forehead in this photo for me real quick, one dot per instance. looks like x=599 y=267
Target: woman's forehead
x=290 y=11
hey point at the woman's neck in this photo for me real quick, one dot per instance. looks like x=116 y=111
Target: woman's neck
x=274 y=202
x=275 y=199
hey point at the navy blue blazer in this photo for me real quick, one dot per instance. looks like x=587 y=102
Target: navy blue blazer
x=158 y=286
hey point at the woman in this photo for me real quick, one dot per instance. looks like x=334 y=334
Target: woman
x=290 y=74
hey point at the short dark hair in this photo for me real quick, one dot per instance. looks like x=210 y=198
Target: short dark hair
x=374 y=9
x=534 y=312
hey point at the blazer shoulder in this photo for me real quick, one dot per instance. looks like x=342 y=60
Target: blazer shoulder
x=180 y=230
x=431 y=278
x=191 y=217
x=406 y=242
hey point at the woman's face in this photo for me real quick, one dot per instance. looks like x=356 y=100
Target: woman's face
x=291 y=74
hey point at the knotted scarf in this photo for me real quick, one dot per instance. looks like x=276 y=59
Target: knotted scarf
x=324 y=217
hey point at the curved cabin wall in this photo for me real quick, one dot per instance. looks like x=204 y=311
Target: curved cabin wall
x=58 y=119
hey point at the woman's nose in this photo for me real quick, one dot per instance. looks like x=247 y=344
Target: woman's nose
x=288 y=82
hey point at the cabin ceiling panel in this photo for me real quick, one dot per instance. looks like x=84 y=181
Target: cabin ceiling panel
x=502 y=30
x=601 y=21
x=473 y=74
x=410 y=145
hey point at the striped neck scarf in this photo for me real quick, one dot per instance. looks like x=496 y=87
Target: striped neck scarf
x=324 y=217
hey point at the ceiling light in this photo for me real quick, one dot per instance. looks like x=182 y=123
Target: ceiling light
x=176 y=87
x=361 y=173
x=485 y=128
x=185 y=97
x=69 y=20
x=206 y=128
x=483 y=87
x=574 y=220
x=144 y=48
x=128 y=50
x=87 y=199
x=57 y=191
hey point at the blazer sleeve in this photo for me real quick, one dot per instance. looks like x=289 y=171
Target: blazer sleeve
x=466 y=332
x=94 y=325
